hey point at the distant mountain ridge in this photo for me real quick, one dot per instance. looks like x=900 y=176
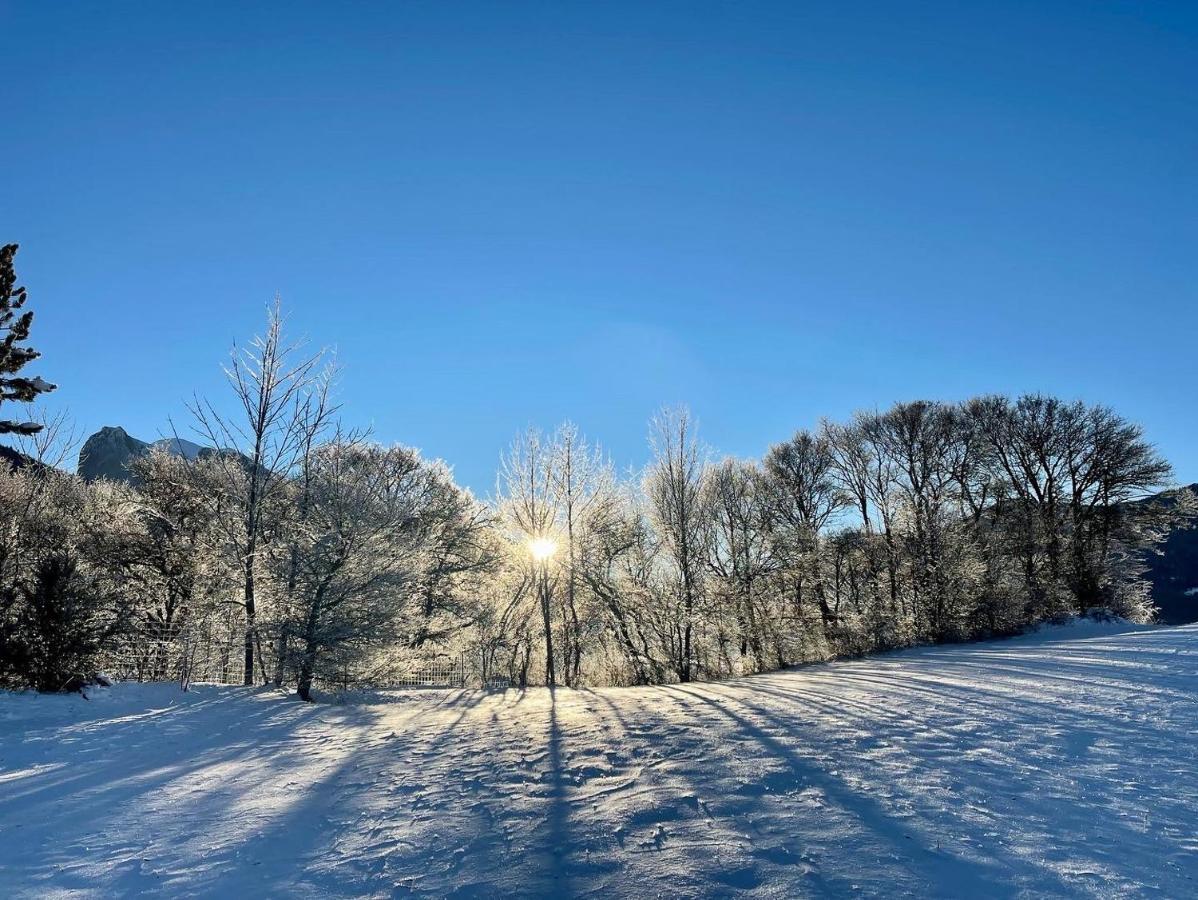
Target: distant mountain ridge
x=179 y=447
x=108 y=453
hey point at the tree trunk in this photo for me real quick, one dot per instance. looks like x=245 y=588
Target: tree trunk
x=308 y=662
x=688 y=607
x=250 y=617
x=307 y=667
x=550 y=674
x=574 y=661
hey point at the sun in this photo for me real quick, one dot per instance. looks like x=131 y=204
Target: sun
x=542 y=548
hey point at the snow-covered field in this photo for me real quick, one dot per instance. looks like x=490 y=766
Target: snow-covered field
x=1057 y=764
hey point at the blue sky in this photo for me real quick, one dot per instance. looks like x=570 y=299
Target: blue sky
x=513 y=213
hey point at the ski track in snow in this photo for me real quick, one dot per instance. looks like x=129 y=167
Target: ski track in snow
x=1047 y=765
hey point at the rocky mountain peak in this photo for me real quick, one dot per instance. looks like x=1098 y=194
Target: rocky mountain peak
x=108 y=452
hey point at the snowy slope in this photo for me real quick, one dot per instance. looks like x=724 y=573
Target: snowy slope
x=1062 y=763
x=179 y=446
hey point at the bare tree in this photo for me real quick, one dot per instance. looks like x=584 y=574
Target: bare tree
x=674 y=484
x=869 y=475
x=920 y=438
x=1072 y=470
x=274 y=383
x=313 y=415
x=618 y=561
x=582 y=481
x=530 y=505
x=740 y=553
x=801 y=474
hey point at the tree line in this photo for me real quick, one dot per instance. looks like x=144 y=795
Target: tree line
x=925 y=523
x=308 y=554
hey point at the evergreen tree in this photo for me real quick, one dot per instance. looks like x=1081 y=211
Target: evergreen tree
x=14 y=325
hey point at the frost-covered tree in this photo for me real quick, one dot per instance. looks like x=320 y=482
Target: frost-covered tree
x=741 y=560
x=314 y=415
x=178 y=556
x=1066 y=476
x=530 y=507
x=674 y=487
x=462 y=551
x=551 y=490
x=65 y=591
x=868 y=476
x=583 y=483
x=362 y=550
x=619 y=561
x=804 y=498
x=920 y=439
x=276 y=386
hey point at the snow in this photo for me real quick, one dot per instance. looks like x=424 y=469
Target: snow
x=1061 y=763
x=179 y=447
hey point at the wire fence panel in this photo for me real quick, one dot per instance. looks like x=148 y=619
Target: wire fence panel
x=431 y=671
x=194 y=652
x=438 y=673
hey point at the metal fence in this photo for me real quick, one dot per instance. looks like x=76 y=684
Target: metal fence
x=449 y=672
x=194 y=652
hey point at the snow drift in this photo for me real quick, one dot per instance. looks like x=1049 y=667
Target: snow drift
x=1061 y=763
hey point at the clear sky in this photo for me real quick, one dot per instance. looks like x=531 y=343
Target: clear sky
x=513 y=213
